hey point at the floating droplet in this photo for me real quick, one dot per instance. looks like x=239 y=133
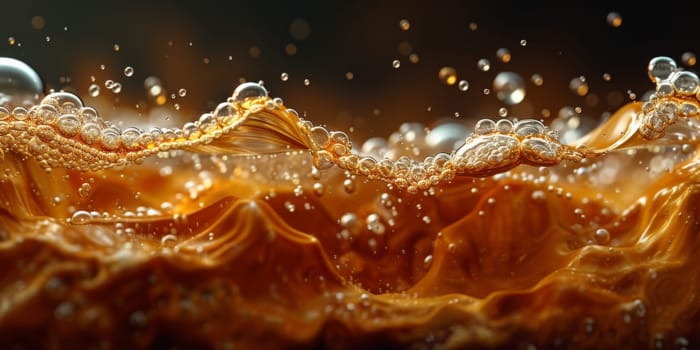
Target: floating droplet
x=579 y=86
x=509 y=87
x=614 y=19
x=484 y=65
x=448 y=75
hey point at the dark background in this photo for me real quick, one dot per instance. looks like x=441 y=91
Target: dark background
x=563 y=42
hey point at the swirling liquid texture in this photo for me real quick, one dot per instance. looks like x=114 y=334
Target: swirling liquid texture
x=253 y=228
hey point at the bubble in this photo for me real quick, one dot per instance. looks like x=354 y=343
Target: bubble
x=68 y=125
x=688 y=59
x=509 y=87
x=129 y=71
x=503 y=112
x=11 y=40
x=607 y=76
x=117 y=88
x=602 y=236
x=413 y=58
x=109 y=84
x=307 y=82
x=17 y=78
x=484 y=127
x=94 y=90
x=85 y=190
x=579 y=86
x=64 y=100
x=463 y=85
x=537 y=79
x=38 y=22
x=290 y=49
x=404 y=24
x=81 y=217
x=484 y=65
x=182 y=92
x=349 y=75
x=448 y=75
x=473 y=26
x=300 y=29
x=503 y=54
x=248 y=90
x=396 y=64
x=284 y=76
x=116 y=47
x=614 y=19
x=685 y=83
x=661 y=68
x=523 y=42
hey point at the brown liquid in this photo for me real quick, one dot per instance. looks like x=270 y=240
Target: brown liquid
x=226 y=236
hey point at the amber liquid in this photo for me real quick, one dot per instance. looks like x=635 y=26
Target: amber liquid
x=265 y=232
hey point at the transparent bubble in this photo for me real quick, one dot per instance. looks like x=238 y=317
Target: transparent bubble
x=504 y=55
x=537 y=79
x=129 y=71
x=11 y=40
x=473 y=26
x=523 y=42
x=17 y=78
x=688 y=59
x=349 y=75
x=579 y=86
x=614 y=19
x=484 y=65
x=404 y=24
x=509 y=87
x=307 y=82
x=94 y=90
x=116 y=47
x=448 y=75
x=607 y=76
x=117 y=88
x=182 y=92
x=463 y=85
x=284 y=76
x=661 y=68
x=248 y=90
x=396 y=64
x=413 y=58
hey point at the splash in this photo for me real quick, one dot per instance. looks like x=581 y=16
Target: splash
x=252 y=227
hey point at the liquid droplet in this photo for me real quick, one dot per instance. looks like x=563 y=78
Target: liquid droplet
x=509 y=87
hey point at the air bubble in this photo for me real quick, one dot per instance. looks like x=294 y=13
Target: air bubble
x=509 y=88
x=128 y=71
x=484 y=65
x=94 y=90
x=17 y=78
x=463 y=85
x=81 y=217
x=396 y=64
x=404 y=24
x=688 y=59
x=503 y=54
x=248 y=90
x=182 y=92
x=661 y=68
x=448 y=75
x=614 y=19
x=284 y=76
x=537 y=79
x=579 y=86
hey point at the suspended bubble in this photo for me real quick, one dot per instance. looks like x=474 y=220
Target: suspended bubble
x=284 y=76
x=17 y=78
x=473 y=26
x=94 y=90
x=413 y=58
x=349 y=75
x=579 y=86
x=129 y=71
x=503 y=54
x=660 y=68
x=116 y=47
x=614 y=19
x=537 y=79
x=509 y=87
x=688 y=59
x=404 y=24
x=463 y=85
x=248 y=90
x=484 y=65
x=11 y=40
x=523 y=42
x=117 y=88
x=182 y=92
x=307 y=82
x=448 y=75
x=396 y=64
x=607 y=76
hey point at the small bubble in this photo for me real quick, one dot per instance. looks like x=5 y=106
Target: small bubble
x=129 y=71
x=503 y=112
x=413 y=58
x=349 y=75
x=11 y=40
x=607 y=76
x=284 y=76
x=579 y=86
x=109 y=84
x=182 y=92
x=523 y=42
x=290 y=49
x=307 y=82
x=484 y=65
x=116 y=47
x=117 y=88
x=396 y=64
x=537 y=79
x=448 y=75
x=38 y=22
x=614 y=19
x=509 y=87
x=81 y=217
x=404 y=24
x=473 y=26
x=688 y=59
x=504 y=55
x=94 y=90
x=463 y=85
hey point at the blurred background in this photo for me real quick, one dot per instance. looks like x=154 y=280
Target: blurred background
x=363 y=67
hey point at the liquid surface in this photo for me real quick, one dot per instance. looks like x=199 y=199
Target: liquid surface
x=251 y=227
